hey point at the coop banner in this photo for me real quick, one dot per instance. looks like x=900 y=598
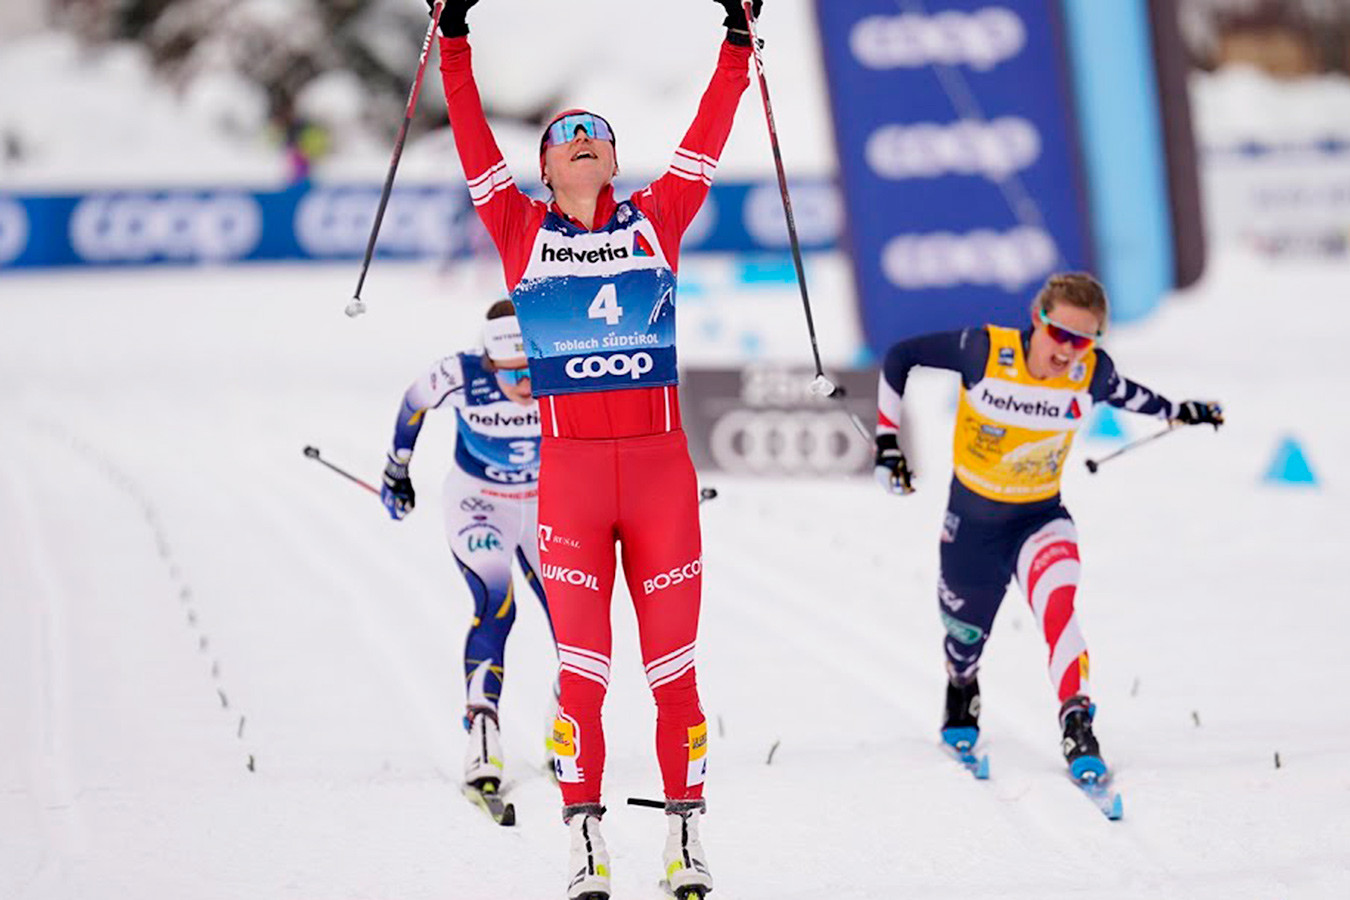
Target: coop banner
x=959 y=166
x=333 y=222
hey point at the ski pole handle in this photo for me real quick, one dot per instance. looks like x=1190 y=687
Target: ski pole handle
x=313 y=453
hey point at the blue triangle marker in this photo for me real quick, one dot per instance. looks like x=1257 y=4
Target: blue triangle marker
x=1105 y=425
x=1290 y=466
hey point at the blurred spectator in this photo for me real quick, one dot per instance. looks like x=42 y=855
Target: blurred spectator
x=304 y=141
x=1285 y=38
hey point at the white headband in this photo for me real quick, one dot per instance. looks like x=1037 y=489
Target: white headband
x=502 y=340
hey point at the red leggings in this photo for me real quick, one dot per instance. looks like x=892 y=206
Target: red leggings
x=641 y=492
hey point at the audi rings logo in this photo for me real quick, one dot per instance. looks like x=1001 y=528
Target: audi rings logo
x=13 y=231
x=139 y=227
x=969 y=147
x=337 y=221
x=806 y=442
x=619 y=364
x=980 y=40
x=816 y=210
x=1010 y=260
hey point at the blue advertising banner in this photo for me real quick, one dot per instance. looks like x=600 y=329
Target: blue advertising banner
x=227 y=225
x=958 y=158
x=332 y=222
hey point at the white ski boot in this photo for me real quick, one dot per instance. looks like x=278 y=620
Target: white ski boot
x=686 y=865
x=483 y=751
x=588 y=862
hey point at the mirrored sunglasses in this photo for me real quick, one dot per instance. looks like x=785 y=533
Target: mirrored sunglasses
x=513 y=376
x=565 y=129
x=1061 y=335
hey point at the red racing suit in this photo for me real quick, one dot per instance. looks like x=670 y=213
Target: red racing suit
x=596 y=306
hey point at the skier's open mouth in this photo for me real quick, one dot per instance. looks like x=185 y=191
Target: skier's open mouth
x=1059 y=360
x=583 y=154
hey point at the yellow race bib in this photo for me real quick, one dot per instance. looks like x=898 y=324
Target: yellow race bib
x=1012 y=431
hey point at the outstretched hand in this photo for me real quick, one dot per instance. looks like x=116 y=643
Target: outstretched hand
x=1200 y=412
x=735 y=19
x=397 y=492
x=891 y=468
x=453 y=17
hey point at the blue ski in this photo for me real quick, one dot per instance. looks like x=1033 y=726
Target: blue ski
x=1092 y=778
x=960 y=744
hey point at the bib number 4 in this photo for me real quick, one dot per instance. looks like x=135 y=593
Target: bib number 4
x=606 y=306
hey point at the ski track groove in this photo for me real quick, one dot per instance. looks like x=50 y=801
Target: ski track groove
x=319 y=542
x=441 y=600
x=1025 y=795
x=55 y=801
x=119 y=480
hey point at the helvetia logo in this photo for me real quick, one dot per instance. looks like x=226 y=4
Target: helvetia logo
x=569 y=255
x=1074 y=411
x=640 y=245
x=1025 y=407
x=498 y=420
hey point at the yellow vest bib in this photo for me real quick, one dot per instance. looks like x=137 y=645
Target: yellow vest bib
x=1012 y=431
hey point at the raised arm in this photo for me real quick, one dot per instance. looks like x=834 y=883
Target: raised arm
x=672 y=200
x=503 y=207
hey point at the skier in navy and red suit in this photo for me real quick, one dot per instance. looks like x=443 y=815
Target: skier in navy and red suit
x=593 y=281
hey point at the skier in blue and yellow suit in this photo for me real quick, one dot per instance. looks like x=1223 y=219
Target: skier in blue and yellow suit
x=1024 y=395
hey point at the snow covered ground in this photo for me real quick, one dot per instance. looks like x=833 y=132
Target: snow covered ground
x=224 y=673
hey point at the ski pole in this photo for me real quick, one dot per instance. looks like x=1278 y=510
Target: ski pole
x=643 y=801
x=860 y=427
x=357 y=305
x=1092 y=464
x=820 y=384
x=313 y=453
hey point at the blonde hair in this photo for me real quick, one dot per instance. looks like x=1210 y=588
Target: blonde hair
x=1072 y=289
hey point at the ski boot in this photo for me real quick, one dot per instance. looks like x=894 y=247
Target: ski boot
x=687 y=874
x=1080 y=747
x=961 y=718
x=483 y=750
x=588 y=860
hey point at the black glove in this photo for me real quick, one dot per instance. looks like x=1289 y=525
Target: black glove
x=453 y=18
x=892 y=469
x=397 y=493
x=738 y=30
x=1200 y=412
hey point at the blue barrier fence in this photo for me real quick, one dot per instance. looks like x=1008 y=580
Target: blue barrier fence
x=326 y=222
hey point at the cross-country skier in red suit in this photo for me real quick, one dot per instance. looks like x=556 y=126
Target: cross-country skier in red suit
x=593 y=281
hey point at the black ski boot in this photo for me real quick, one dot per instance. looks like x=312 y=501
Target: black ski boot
x=1080 y=747
x=961 y=719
